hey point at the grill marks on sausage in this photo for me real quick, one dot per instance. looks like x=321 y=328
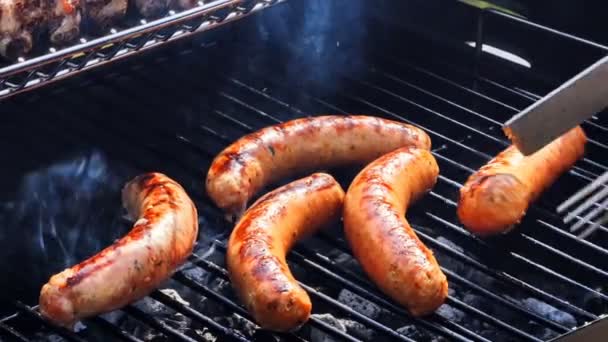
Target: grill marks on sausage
x=88 y=268
x=161 y=239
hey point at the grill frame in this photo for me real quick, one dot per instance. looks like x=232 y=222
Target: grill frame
x=56 y=65
x=219 y=136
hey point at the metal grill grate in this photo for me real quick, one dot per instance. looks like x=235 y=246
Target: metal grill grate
x=537 y=283
x=56 y=65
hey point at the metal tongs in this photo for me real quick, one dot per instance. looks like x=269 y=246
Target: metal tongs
x=575 y=101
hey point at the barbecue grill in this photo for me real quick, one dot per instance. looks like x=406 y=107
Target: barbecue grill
x=70 y=146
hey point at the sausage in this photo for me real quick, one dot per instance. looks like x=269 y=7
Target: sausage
x=261 y=239
x=496 y=197
x=160 y=241
x=260 y=158
x=380 y=237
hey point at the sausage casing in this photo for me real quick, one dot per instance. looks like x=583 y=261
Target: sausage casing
x=260 y=158
x=381 y=238
x=263 y=236
x=496 y=197
x=160 y=241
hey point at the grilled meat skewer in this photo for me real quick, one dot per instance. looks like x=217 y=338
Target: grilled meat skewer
x=64 y=21
x=102 y=14
x=20 y=21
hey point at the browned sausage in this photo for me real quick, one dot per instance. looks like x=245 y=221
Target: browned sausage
x=260 y=158
x=263 y=236
x=496 y=197
x=160 y=241
x=381 y=238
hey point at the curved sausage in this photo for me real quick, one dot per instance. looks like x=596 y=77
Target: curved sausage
x=260 y=158
x=381 y=238
x=262 y=238
x=496 y=197
x=160 y=241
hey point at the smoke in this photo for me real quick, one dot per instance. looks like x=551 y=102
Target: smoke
x=302 y=41
x=61 y=215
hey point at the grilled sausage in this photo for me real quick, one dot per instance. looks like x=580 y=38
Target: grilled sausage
x=263 y=236
x=381 y=238
x=160 y=241
x=496 y=197
x=260 y=158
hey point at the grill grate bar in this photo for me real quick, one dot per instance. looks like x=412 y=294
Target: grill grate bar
x=233 y=120
x=426 y=109
x=403 y=64
x=486 y=118
x=322 y=325
x=427 y=129
x=195 y=315
x=565 y=256
x=223 y=273
x=535 y=241
x=186 y=280
x=118 y=332
x=122 y=334
x=10 y=331
x=374 y=298
x=505 y=276
x=241 y=102
x=529 y=96
x=457 y=303
x=502 y=142
x=590 y=175
x=156 y=324
x=250 y=107
x=567 y=234
x=368 y=295
x=33 y=313
x=435 y=96
x=442 y=157
x=493 y=320
x=265 y=95
x=513 y=306
x=359 y=317
x=519 y=257
x=525 y=94
x=452 y=162
x=431 y=132
x=371 y=296
x=245 y=124
x=450 y=300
